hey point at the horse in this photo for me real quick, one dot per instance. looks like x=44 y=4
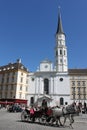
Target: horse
x=55 y=116
x=67 y=112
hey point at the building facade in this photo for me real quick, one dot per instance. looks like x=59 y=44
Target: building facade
x=13 y=82
x=78 y=84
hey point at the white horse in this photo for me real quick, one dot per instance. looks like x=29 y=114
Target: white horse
x=66 y=112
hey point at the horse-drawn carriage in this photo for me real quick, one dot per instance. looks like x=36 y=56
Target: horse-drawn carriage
x=26 y=115
x=50 y=115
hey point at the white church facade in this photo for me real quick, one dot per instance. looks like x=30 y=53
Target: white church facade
x=51 y=82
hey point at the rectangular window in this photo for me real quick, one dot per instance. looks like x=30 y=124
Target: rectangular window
x=21 y=79
x=83 y=83
x=26 y=88
x=13 y=73
x=27 y=75
x=8 y=74
x=0 y=94
x=6 y=87
x=60 y=52
x=11 y=94
x=20 y=95
x=79 y=96
x=3 y=75
x=78 y=83
x=2 y=87
x=12 y=87
x=2 y=80
x=13 y=79
x=78 y=89
x=84 y=91
x=73 y=96
x=7 y=79
x=60 y=60
x=73 y=89
x=21 y=87
x=79 y=93
x=5 y=94
x=22 y=74
x=73 y=92
x=73 y=83
x=26 y=81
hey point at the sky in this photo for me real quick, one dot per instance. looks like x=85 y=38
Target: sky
x=28 y=28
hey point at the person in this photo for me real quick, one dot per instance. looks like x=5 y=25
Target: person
x=49 y=111
x=31 y=111
x=84 y=105
x=44 y=103
x=66 y=104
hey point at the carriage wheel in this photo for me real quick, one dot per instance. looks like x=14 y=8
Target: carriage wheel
x=42 y=120
x=24 y=116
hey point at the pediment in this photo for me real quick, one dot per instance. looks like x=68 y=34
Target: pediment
x=45 y=97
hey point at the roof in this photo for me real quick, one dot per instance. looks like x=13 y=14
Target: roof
x=13 y=66
x=46 y=61
x=60 y=27
x=77 y=71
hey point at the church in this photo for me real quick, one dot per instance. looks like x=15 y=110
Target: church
x=51 y=83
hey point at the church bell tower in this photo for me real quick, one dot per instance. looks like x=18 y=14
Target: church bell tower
x=61 y=60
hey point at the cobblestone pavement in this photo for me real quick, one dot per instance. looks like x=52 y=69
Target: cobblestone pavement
x=12 y=121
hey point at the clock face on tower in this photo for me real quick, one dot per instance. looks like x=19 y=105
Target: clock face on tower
x=46 y=66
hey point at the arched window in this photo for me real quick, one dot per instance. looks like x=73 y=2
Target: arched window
x=61 y=101
x=46 y=86
x=32 y=100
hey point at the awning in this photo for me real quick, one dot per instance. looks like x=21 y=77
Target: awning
x=12 y=101
x=6 y=103
x=20 y=101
